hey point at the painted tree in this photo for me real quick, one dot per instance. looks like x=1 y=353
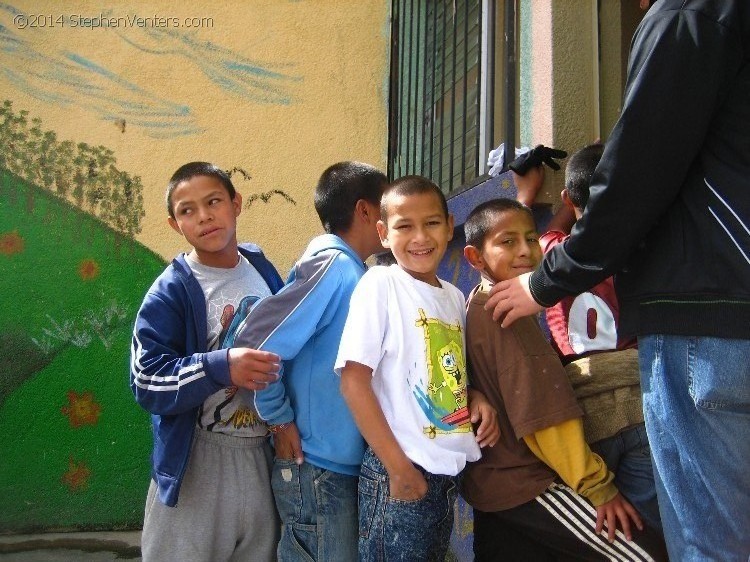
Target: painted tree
x=64 y=169
x=13 y=138
x=82 y=174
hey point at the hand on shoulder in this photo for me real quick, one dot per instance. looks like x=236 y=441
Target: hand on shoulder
x=511 y=299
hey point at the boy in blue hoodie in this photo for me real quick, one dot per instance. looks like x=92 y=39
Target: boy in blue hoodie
x=210 y=448
x=318 y=447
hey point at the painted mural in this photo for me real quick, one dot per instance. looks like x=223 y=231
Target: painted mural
x=280 y=88
x=65 y=77
x=100 y=105
x=72 y=277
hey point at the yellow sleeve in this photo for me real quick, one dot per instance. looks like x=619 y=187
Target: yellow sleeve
x=564 y=449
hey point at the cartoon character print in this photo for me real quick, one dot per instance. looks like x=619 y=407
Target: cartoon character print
x=443 y=398
x=235 y=321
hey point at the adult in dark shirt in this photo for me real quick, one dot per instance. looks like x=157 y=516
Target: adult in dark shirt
x=674 y=184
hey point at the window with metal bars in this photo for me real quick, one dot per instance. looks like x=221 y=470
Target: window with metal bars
x=437 y=121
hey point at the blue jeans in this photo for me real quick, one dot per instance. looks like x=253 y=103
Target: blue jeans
x=696 y=401
x=391 y=529
x=318 y=510
x=628 y=455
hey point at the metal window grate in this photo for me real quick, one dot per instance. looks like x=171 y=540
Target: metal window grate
x=435 y=96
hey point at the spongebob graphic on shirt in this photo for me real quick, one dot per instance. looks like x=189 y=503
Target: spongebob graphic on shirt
x=443 y=397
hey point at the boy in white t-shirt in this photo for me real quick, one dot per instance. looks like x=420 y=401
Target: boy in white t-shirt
x=403 y=375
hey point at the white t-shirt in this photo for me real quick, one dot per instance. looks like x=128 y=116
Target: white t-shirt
x=228 y=291
x=411 y=335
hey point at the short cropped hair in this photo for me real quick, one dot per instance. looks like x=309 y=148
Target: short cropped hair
x=579 y=171
x=193 y=169
x=340 y=187
x=385 y=258
x=484 y=216
x=411 y=185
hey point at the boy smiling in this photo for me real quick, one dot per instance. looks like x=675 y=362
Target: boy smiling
x=417 y=228
x=403 y=375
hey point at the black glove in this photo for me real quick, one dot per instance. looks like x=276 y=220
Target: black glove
x=535 y=157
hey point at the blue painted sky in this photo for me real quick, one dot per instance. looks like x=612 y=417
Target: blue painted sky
x=252 y=80
x=54 y=75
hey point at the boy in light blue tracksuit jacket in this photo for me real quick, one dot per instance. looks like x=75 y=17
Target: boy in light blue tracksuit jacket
x=318 y=447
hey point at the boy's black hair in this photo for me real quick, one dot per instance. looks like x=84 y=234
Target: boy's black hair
x=385 y=258
x=484 y=216
x=411 y=185
x=193 y=169
x=579 y=171
x=340 y=187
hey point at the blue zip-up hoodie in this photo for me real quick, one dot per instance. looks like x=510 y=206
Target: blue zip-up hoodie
x=171 y=370
x=303 y=324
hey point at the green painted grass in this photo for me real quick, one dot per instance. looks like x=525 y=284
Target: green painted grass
x=83 y=327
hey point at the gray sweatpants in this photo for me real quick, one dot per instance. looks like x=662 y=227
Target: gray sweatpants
x=225 y=510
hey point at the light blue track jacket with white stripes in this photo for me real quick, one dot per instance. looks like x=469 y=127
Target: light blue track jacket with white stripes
x=171 y=370
x=303 y=324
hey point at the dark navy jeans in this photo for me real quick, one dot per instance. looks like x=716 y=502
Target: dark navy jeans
x=392 y=529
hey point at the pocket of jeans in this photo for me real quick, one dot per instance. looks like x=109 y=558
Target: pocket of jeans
x=285 y=482
x=431 y=509
x=303 y=539
x=407 y=502
x=367 y=491
x=718 y=374
x=415 y=501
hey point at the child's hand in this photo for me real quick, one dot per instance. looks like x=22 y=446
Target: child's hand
x=253 y=369
x=617 y=509
x=407 y=484
x=529 y=185
x=287 y=443
x=483 y=413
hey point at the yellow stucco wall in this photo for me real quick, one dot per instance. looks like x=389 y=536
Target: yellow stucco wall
x=572 y=73
x=617 y=23
x=280 y=88
x=558 y=75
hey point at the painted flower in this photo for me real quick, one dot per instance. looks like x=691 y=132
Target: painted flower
x=82 y=409
x=76 y=478
x=88 y=270
x=11 y=243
